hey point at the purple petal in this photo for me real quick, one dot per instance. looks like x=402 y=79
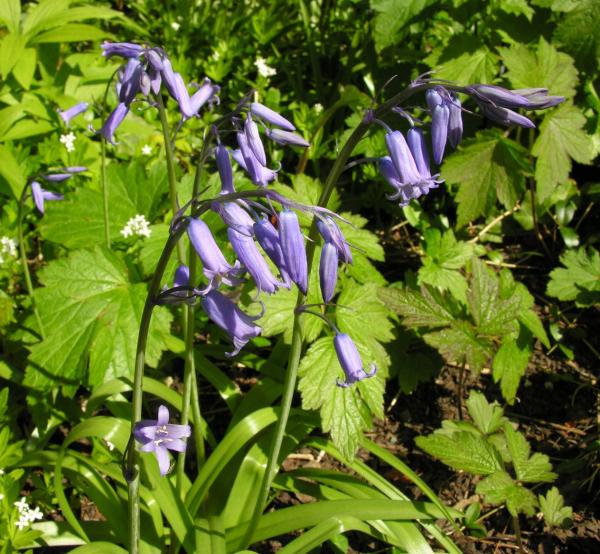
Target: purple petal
x=416 y=144
x=254 y=141
x=114 y=120
x=505 y=116
x=272 y=117
x=225 y=170
x=402 y=158
x=72 y=112
x=286 y=138
x=162 y=457
x=123 y=49
x=207 y=92
x=439 y=132
x=455 y=124
x=175 y=431
x=501 y=97
x=49 y=195
x=182 y=276
x=350 y=361
x=328 y=268
x=293 y=249
x=176 y=444
x=163 y=415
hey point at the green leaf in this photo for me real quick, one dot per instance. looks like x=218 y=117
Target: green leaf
x=579 y=32
x=532 y=322
x=462 y=451
x=486 y=167
x=11 y=171
x=517 y=7
x=25 y=68
x=509 y=365
x=43 y=15
x=365 y=241
x=499 y=488
x=90 y=309
x=10 y=14
x=78 y=221
x=556 y=514
x=28 y=128
x=561 y=138
x=579 y=280
x=494 y=310
x=461 y=343
x=345 y=412
x=528 y=469
x=71 y=32
x=392 y=16
x=11 y=49
x=547 y=68
x=426 y=308
x=488 y=417
x=477 y=66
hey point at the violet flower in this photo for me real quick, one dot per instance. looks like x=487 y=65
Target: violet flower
x=237 y=324
x=59 y=177
x=293 y=249
x=271 y=116
x=258 y=173
x=504 y=116
x=123 y=49
x=206 y=93
x=113 y=121
x=128 y=84
x=40 y=195
x=328 y=267
x=251 y=258
x=215 y=266
x=224 y=168
x=70 y=113
x=253 y=140
x=268 y=237
x=332 y=233
x=160 y=436
x=350 y=361
x=455 y=123
x=234 y=216
x=286 y=138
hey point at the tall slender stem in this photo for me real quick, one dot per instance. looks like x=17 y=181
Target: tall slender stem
x=23 y=255
x=291 y=375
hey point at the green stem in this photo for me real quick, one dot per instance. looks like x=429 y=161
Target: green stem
x=291 y=375
x=170 y=168
x=23 y=255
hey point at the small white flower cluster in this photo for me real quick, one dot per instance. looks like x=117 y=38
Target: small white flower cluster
x=264 y=69
x=8 y=249
x=137 y=226
x=147 y=150
x=69 y=141
x=26 y=515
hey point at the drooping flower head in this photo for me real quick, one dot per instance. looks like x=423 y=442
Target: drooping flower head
x=238 y=325
x=160 y=436
x=70 y=113
x=350 y=361
x=293 y=249
x=328 y=267
x=40 y=195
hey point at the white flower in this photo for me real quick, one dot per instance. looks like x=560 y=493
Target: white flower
x=22 y=505
x=1 y=472
x=138 y=226
x=1 y=496
x=22 y=523
x=68 y=140
x=176 y=26
x=263 y=68
x=318 y=107
x=8 y=249
x=36 y=514
x=109 y=445
x=147 y=150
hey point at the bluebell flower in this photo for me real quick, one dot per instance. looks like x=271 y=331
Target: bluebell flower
x=40 y=195
x=67 y=173
x=328 y=267
x=70 y=113
x=251 y=258
x=455 y=123
x=113 y=121
x=123 y=49
x=330 y=232
x=207 y=92
x=350 y=361
x=293 y=249
x=271 y=116
x=215 y=267
x=237 y=324
x=128 y=84
x=234 y=216
x=254 y=141
x=268 y=237
x=259 y=174
x=224 y=168
x=286 y=138
x=159 y=436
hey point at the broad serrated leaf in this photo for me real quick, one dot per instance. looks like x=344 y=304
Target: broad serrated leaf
x=517 y=7
x=556 y=514
x=532 y=322
x=392 y=16
x=460 y=343
x=426 y=308
x=488 y=417
x=345 y=412
x=91 y=313
x=579 y=33
x=360 y=312
x=478 y=66
x=561 y=138
x=527 y=469
x=547 y=67
x=500 y=488
x=78 y=221
x=494 y=310
x=462 y=451
x=579 y=280
x=509 y=365
x=366 y=242
x=486 y=167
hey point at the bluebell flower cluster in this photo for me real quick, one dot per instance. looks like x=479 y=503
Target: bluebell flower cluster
x=407 y=168
x=41 y=196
